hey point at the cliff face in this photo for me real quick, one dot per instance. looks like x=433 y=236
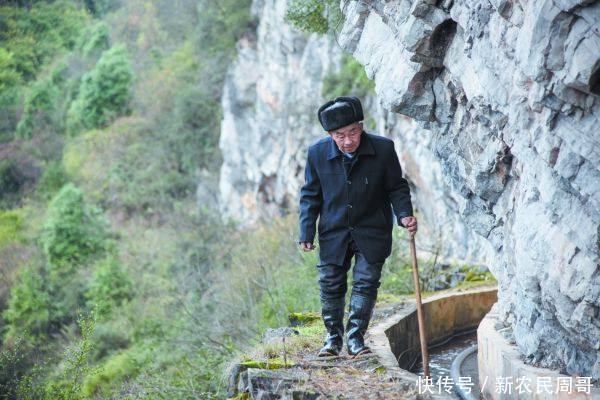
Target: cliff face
x=268 y=114
x=494 y=108
x=270 y=100
x=510 y=92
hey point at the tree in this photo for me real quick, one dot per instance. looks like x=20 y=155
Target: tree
x=104 y=93
x=40 y=112
x=109 y=286
x=73 y=230
x=29 y=308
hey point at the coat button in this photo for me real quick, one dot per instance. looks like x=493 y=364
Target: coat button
x=349 y=205
x=349 y=183
x=351 y=228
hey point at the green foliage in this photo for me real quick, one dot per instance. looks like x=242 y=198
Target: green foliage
x=314 y=16
x=127 y=166
x=94 y=40
x=178 y=298
x=100 y=7
x=73 y=233
x=115 y=369
x=104 y=94
x=9 y=77
x=113 y=333
x=73 y=230
x=476 y=274
x=351 y=79
x=14 y=363
x=195 y=131
x=75 y=366
x=29 y=308
x=109 y=286
x=42 y=299
x=221 y=24
x=36 y=34
x=52 y=180
x=184 y=110
x=265 y=283
x=40 y=112
x=303 y=318
x=11 y=224
x=267 y=364
x=180 y=371
x=23 y=3
x=9 y=110
x=29 y=39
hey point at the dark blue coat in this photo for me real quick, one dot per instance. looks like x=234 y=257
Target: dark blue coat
x=356 y=206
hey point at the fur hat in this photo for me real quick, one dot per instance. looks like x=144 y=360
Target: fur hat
x=340 y=112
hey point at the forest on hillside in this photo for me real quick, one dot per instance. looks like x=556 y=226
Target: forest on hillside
x=115 y=281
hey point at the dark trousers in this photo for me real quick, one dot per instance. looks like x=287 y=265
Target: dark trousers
x=365 y=276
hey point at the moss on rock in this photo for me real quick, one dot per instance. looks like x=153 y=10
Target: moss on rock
x=303 y=318
x=275 y=363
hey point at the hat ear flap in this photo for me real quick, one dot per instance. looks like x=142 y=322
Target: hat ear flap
x=323 y=107
x=355 y=104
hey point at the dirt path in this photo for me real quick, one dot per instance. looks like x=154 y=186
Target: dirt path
x=289 y=369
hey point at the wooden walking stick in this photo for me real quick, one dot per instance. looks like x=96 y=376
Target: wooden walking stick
x=420 y=318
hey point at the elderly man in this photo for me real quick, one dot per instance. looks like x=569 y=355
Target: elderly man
x=352 y=180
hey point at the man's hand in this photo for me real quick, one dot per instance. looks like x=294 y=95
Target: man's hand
x=411 y=224
x=307 y=246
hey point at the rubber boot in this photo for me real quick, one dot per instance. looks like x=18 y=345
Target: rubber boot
x=333 y=318
x=361 y=310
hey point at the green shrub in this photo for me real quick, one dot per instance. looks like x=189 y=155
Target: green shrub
x=73 y=230
x=15 y=360
x=195 y=137
x=112 y=335
x=30 y=38
x=115 y=369
x=9 y=77
x=11 y=224
x=104 y=94
x=315 y=16
x=52 y=180
x=181 y=371
x=67 y=382
x=29 y=308
x=351 y=79
x=10 y=107
x=262 y=285
x=94 y=40
x=34 y=35
x=109 y=286
x=41 y=111
x=128 y=166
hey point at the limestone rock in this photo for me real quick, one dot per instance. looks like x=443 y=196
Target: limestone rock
x=514 y=110
x=494 y=108
x=271 y=95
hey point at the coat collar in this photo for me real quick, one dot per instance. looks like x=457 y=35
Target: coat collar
x=365 y=147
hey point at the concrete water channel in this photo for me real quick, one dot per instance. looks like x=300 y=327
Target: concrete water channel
x=452 y=319
x=468 y=355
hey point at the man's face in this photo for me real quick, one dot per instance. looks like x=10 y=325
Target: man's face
x=347 y=137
